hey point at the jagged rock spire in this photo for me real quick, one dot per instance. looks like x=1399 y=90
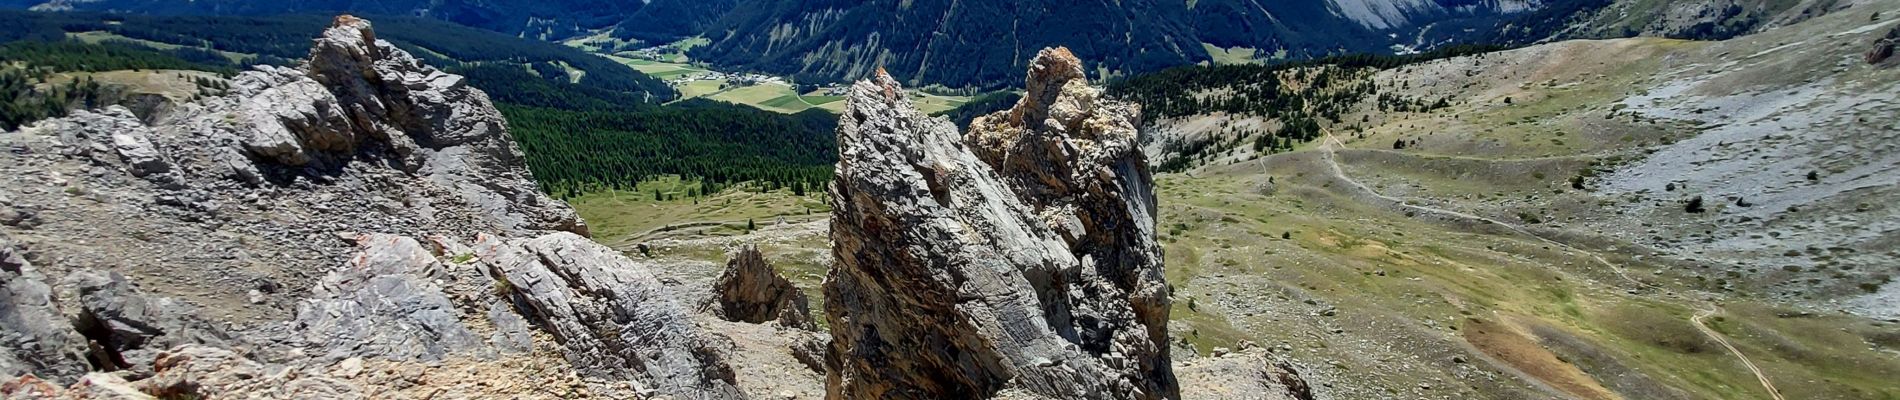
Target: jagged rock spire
x=751 y=291
x=1018 y=257
x=1052 y=69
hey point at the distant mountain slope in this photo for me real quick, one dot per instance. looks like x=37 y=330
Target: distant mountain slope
x=513 y=70
x=1704 y=20
x=985 y=44
x=663 y=21
x=955 y=43
x=533 y=18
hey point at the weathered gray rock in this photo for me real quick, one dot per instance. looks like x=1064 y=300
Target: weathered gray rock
x=1252 y=374
x=130 y=328
x=511 y=330
x=35 y=336
x=751 y=291
x=1018 y=257
x=23 y=218
x=385 y=302
x=137 y=151
x=612 y=314
x=290 y=115
x=355 y=90
x=234 y=201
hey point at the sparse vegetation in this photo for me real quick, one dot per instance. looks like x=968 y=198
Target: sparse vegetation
x=502 y=288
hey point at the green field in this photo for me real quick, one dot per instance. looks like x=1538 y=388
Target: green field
x=1236 y=55
x=657 y=69
x=621 y=217
x=776 y=97
x=931 y=103
x=100 y=36
x=699 y=88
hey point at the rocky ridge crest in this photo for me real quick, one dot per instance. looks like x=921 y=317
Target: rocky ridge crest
x=252 y=210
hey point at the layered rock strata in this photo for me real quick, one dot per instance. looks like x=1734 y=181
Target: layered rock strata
x=1020 y=256
x=749 y=290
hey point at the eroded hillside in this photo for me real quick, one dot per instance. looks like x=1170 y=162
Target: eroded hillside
x=1597 y=219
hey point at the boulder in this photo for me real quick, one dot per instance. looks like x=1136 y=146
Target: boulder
x=136 y=150
x=386 y=302
x=35 y=336
x=751 y=291
x=128 y=327
x=611 y=314
x=292 y=115
x=1018 y=257
x=1251 y=374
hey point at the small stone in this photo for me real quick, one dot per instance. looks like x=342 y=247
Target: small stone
x=349 y=368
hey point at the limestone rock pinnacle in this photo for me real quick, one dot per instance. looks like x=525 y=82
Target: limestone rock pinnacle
x=1019 y=257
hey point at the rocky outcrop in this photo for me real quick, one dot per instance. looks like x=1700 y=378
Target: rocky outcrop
x=612 y=315
x=1882 y=49
x=1252 y=374
x=240 y=193
x=751 y=291
x=1020 y=256
x=388 y=301
x=357 y=96
x=34 y=335
x=129 y=328
x=230 y=208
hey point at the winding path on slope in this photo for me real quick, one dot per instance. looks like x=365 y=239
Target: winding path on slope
x=1329 y=152
x=1712 y=334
